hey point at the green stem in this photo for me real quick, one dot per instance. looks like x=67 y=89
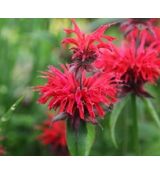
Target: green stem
x=135 y=124
x=125 y=132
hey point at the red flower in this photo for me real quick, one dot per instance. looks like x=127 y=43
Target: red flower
x=107 y=59
x=135 y=64
x=86 y=46
x=2 y=151
x=54 y=134
x=83 y=98
x=140 y=27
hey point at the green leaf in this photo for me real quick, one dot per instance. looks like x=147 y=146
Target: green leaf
x=81 y=137
x=152 y=111
x=114 y=117
x=90 y=138
x=71 y=139
x=80 y=142
x=7 y=115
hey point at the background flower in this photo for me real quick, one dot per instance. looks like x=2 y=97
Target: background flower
x=54 y=135
x=134 y=63
x=140 y=27
x=2 y=151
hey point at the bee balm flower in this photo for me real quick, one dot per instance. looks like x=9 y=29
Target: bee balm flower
x=54 y=134
x=85 y=47
x=83 y=99
x=138 y=27
x=135 y=64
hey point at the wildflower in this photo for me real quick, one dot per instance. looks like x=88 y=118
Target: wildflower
x=138 y=27
x=83 y=99
x=85 y=47
x=135 y=64
x=106 y=60
x=54 y=134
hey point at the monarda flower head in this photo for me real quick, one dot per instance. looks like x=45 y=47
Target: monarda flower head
x=84 y=99
x=135 y=64
x=85 y=47
x=54 y=135
x=138 y=27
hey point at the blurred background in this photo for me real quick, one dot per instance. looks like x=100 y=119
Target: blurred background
x=27 y=47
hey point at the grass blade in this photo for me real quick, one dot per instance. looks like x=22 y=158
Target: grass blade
x=5 y=117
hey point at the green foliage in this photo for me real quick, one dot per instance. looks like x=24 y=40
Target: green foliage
x=28 y=46
x=81 y=140
x=114 y=117
x=8 y=114
x=152 y=111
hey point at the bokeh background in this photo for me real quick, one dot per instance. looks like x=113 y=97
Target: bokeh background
x=28 y=46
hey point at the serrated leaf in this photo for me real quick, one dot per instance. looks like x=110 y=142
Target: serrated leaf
x=114 y=117
x=152 y=111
